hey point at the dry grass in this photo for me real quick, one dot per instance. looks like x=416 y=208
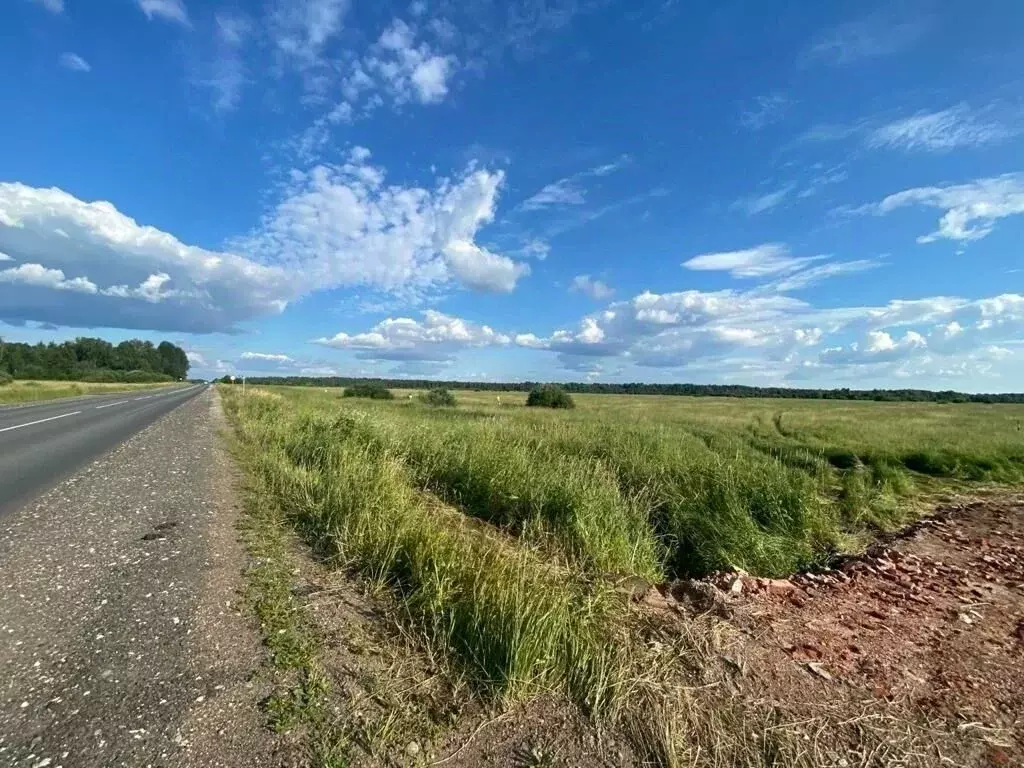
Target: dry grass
x=21 y=391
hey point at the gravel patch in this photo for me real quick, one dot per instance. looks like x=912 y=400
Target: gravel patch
x=121 y=641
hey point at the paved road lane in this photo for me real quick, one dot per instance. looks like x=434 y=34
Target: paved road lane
x=43 y=443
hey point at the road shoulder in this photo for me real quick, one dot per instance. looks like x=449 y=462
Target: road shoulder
x=125 y=642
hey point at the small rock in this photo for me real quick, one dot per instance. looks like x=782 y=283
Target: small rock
x=780 y=586
x=412 y=749
x=818 y=670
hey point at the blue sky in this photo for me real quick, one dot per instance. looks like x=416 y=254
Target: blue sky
x=793 y=193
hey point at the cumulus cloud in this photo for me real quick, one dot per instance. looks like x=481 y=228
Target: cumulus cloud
x=940 y=131
x=38 y=276
x=779 y=336
x=342 y=225
x=595 y=289
x=761 y=261
x=970 y=210
x=87 y=264
x=167 y=10
x=74 y=62
x=400 y=67
x=436 y=338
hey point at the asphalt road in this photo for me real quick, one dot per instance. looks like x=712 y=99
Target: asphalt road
x=123 y=639
x=42 y=444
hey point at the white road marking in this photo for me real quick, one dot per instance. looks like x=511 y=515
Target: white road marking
x=111 y=405
x=39 y=421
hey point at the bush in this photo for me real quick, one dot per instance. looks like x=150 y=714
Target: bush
x=5 y=379
x=550 y=396
x=441 y=398
x=372 y=390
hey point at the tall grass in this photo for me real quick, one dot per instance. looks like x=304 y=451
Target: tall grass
x=515 y=622
x=675 y=487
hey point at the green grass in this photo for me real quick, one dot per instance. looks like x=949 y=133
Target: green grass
x=23 y=391
x=514 y=622
x=498 y=528
x=666 y=486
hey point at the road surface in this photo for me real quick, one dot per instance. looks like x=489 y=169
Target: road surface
x=123 y=637
x=43 y=443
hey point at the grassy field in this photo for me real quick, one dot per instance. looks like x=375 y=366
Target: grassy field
x=20 y=391
x=502 y=530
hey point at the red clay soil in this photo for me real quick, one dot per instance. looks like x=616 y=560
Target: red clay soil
x=933 y=619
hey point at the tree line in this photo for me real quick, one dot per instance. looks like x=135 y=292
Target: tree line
x=88 y=359
x=687 y=390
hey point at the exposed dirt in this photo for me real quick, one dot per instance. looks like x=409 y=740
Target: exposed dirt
x=930 y=623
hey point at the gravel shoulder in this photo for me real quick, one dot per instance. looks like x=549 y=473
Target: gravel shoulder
x=123 y=637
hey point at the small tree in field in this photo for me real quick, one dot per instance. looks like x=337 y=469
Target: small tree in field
x=549 y=396
x=372 y=390
x=440 y=398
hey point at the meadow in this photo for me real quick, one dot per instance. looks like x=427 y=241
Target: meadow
x=31 y=391
x=502 y=530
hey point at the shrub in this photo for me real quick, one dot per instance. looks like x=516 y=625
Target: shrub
x=372 y=390
x=439 y=397
x=550 y=396
x=5 y=379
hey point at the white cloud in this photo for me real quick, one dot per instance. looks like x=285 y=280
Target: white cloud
x=537 y=248
x=436 y=338
x=409 y=71
x=877 y=35
x=5 y=257
x=876 y=347
x=761 y=203
x=595 y=289
x=196 y=358
x=176 y=286
x=561 y=192
x=343 y=226
x=168 y=10
x=762 y=261
x=805 y=278
x=301 y=28
x=224 y=74
x=53 y=6
x=766 y=110
x=971 y=210
x=38 y=276
x=479 y=269
x=266 y=357
x=939 y=131
x=570 y=190
x=74 y=62
x=772 y=336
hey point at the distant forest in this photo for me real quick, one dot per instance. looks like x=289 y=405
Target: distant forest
x=86 y=359
x=687 y=390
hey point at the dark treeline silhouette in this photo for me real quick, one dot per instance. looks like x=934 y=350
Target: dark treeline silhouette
x=689 y=390
x=86 y=359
